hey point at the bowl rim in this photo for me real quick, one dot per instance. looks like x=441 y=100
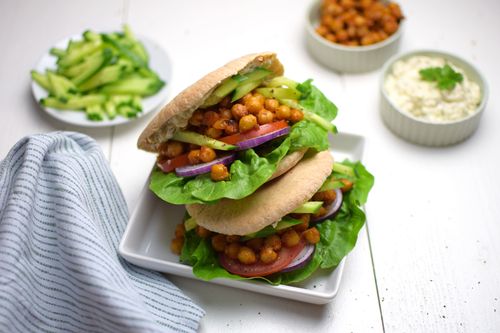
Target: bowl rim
x=483 y=85
x=313 y=11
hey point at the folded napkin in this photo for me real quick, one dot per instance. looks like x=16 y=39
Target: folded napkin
x=62 y=215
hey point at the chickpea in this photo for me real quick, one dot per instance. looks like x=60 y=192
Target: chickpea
x=268 y=255
x=305 y=218
x=283 y=112
x=245 y=98
x=219 y=172
x=259 y=97
x=331 y=37
x=342 y=35
x=254 y=104
x=271 y=104
x=231 y=127
x=225 y=114
x=197 y=118
x=265 y=117
x=311 y=235
x=248 y=123
x=232 y=238
x=194 y=157
x=207 y=154
x=180 y=230
x=390 y=26
x=209 y=118
x=273 y=241
x=239 y=110
x=351 y=32
x=322 y=211
x=220 y=124
x=296 y=115
x=367 y=39
x=171 y=149
x=359 y=21
x=213 y=133
x=336 y=25
x=395 y=10
x=246 y=256
x=218 y=242
x=347 y=185
x=290 y=238
x=202 y=232
x=255 y=243
x=232 y=250
x=176 y=245
x=321 y=30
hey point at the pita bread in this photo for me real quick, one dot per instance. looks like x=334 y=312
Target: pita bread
x=268 y=204
x=177 y=113
x=288 y=162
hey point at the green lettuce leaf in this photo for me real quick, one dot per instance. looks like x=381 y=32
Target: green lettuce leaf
x=251 y=170
x=338 y=238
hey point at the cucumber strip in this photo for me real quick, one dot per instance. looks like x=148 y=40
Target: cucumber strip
x=285 y=222
x=57 y=52
x=343 y=169
x=258 y=73
x=310 y=207
x=331 y=184
x=110 y=109
x=222 y=91
x=106 y=75
x=127 y=111
x=91 y=36
x=95 y=112
x=74 y=102
x=60 y=86
x=124 y=50
x=190 y=224
x=201 y=140
x=93 y=65
x=244 y=89
x=133 y=86
x=279 y=93
x=42 y=80
x=280 y=81
x=79 y=53
x=311 y=116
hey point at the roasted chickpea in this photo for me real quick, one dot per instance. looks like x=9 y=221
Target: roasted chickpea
x=327 y=196
x=202 y=232
x=180 y=230
x=218 y=242
x=213 y=132
x=273 y=241
x=331 y=37
x=254 y=104
x=248 y=123
x=225 y=114
x=220 y=124
x=321 y=30
x=232 y=238
x=390 y=26
x=239 y=110
x=207 y=154
x=311 y=235
x=171 y=149
x=231 y=127
x=322 y=211
x=283 y=112
x=305 y=218
x=194 y=156
x=259 y=97
x=210 y=117
x=245 y=98
x=176 y=245
x=232 y=249
x=255 y=243
x=271 y=104
x=342 y=35
x=290 y=238
x=219 y=172
x=197 y=118
x=347 y=185
x=268 y=255
x=296 y=115
x=265 y=117
x=246 y=255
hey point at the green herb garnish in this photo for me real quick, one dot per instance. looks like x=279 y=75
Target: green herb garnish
x=445 y=76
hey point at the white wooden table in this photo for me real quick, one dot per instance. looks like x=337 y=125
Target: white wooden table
x=428 y=260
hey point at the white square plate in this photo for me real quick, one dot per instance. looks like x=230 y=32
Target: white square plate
x=146 y=241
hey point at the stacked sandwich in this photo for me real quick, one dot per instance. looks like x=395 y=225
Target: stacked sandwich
x=247 y=151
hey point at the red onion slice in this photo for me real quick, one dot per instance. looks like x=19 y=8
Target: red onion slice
x=301 y=259
x=198 y=169
x=332 y=208
x=254 y=142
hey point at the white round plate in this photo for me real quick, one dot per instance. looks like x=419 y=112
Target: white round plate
x=159 y=62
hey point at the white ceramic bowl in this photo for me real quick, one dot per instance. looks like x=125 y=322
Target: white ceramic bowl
x=427 y=133
x=348 y=59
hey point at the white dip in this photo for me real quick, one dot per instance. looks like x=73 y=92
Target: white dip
x=423 y=99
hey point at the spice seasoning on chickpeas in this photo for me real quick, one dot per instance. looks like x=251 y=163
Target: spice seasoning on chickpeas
x=358 y=22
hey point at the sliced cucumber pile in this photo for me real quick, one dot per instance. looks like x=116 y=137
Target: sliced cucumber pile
x=103 y=74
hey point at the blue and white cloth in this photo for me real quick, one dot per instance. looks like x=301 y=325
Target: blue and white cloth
x=62 y=215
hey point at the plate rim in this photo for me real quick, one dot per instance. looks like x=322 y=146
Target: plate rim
x=39 y=92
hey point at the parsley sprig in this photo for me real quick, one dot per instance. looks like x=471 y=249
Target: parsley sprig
x=445 y=76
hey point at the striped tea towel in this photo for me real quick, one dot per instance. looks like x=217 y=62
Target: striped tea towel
x=61 y=218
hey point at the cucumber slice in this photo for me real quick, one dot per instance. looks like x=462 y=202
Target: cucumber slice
x=106 y=75
x=285 y=222
x=258 y=73
x=77 y=53
x=42 y=80
x=60 y=86
x=331 y=184
x=57 y=52
x=74 y=102
x=124 y=50
x=279 y=93
x=190 y=224
x=281 y=81
x=310 y=207
x=92 y=65
x=95 y=112
x=244 y=89
x=311 y=116
x=91 y=36
x=222 y=91
x=110 y=109
x=344 y=169
x=134 y=86
x=201 y=140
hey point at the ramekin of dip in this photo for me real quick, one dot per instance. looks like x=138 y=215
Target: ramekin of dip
x=419 y=110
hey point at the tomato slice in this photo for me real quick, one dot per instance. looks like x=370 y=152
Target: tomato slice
x=263 y=129
x=285 y=257
x=176 y=162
